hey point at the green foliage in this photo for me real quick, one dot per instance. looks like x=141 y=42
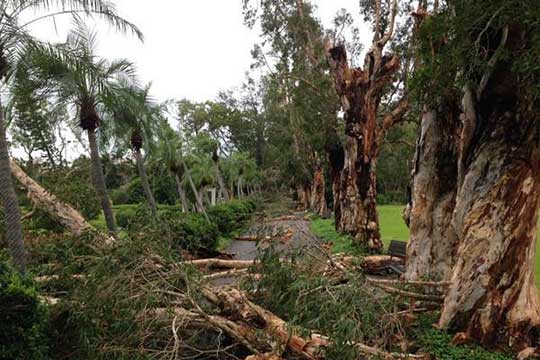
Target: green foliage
x=187 y=231
x=344 y=313
x=228 y=215
x=73 y=186
x=130 y=193
x=439 y=344
x=23 y=317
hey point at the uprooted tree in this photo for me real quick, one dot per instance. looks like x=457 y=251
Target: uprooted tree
x=360 y=91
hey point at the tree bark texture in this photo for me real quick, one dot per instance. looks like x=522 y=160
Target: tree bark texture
x=432 y=242
x=318 y=192
x=360 y=92
x=144 y=182
x=8 y=197
x=99 y=181
x=41 y=198
x=492 y=298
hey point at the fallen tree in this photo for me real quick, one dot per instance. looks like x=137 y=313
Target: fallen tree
x=44 y=200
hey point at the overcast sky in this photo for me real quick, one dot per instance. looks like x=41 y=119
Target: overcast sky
x=192 y=48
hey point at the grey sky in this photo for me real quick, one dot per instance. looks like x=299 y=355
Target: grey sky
x=192 y=49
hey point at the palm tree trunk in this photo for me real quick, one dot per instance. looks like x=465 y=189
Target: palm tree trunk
x=198 y=199
x=181 y=194
x=8 y=197
x=99 y=181
x=221 y=182
x=146 y=186
x=41 y=198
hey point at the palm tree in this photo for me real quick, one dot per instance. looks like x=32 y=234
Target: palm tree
x=75 y=76
x=14 y=38
x=169 y=152
x=136 y=114
x=208 y=146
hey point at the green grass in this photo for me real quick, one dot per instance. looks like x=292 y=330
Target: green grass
x=392 y=228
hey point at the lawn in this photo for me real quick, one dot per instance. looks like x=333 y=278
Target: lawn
x=392 y=228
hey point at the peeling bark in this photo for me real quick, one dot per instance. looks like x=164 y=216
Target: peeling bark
x=360 y=92
x=492 y=298
x=318 y=189
x=431 y=246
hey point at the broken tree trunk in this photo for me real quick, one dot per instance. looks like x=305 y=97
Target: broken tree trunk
x=492 y=298
x=41 y=198
x=360 y=91
x=272 y=329
x=431 y=246
x=221 y=263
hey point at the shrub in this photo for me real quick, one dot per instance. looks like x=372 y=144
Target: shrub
x=23 y=318
x=130 y=193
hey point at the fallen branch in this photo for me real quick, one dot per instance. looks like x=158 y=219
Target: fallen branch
x=247 y=238
x=226 y=274
x=413 y=283
x=234 y=303
x=409 y=294
x=221 y=263
x=42 y=199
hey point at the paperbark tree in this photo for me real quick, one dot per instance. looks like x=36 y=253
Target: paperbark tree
x=432 y=242
x=360 y=92
x=431 y=246
x=492 y=298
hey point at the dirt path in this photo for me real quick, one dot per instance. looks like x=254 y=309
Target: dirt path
x=288 y=232
x=287 y=236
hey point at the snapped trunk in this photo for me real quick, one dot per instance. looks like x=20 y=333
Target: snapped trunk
x=41 y=198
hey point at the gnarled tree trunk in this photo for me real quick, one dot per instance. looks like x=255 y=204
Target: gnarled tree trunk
x=431 y=247
x=99 y=181
x=336 y=159
x=492 y=297
x=360 y=91
x=357 y=197
x=65 y=214
x=8 y=198
x=318 y=192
